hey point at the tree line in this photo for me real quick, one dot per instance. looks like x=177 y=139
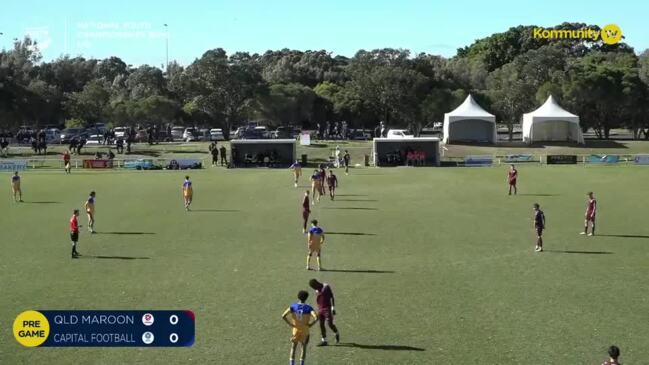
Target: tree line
x=509 y=73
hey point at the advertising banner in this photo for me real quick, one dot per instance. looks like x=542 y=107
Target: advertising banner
x=603 y=159
x=305 y=139
x=183 y=164
x=13 y=165
x=641 y=159
x=519 y=158
x=561 y=160
x=478 y=161
x=97 y=164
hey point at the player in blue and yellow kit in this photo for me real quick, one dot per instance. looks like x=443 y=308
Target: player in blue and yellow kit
x=315 y=240
x=188 y=192
x=15 y=187
x=300 y=316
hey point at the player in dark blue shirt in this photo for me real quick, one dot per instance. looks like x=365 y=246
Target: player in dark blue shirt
x=539 y=226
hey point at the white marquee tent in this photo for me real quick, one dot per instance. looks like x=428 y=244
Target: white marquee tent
x=469 y=123
x=551 y=122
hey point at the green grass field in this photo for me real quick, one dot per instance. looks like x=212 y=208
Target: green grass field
x=429 y=266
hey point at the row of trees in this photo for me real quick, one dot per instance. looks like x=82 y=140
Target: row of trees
x=509 y=73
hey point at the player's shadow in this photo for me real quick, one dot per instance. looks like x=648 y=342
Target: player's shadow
x=351 y=208
x=581 y=252
x=356 y=200
x=352 y=233
x=623 y=235
x=214 y=210
x=44 y=202
x=351 y=195
x=538 y=194
x=126 y=233
x=360 y=271
x=115 y=257
x=380 y=347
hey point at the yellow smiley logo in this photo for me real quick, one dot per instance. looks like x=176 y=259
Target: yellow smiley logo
x=611 y=34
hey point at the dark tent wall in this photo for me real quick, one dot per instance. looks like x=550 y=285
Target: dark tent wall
x=262 y=153
x=471 y=130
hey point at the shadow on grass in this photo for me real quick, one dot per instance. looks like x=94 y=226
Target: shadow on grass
x=356 y=200
x=214 y=210
x=581 y=252
x=43 y=202
x=623 y=235
x=350 y=208
x=135 y=233
x=538 y=194
x=352 y=233
x=115 y=257
x=185 y=151
x=380 y=347
x=318 y=145
x=361 y=271
x=351 y=195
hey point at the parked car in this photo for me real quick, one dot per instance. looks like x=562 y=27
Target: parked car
x=120 y=132
x=69 y=133
x=177 y=133
x=52 y=135
x=216 y=134
x=399 y=133
x=282 y=133
x=141 y=136
x=95 y=139
x=199 y=135
x=361 y=135
x=190 y=134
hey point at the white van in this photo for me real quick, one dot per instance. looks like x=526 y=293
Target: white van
x=399 y=133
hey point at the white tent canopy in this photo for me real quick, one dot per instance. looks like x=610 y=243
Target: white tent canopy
x=551 y=122
x=469 y=123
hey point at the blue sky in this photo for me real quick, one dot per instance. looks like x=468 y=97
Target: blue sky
x=134 y=31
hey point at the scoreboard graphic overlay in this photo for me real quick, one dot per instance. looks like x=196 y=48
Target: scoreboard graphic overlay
x=91 y=328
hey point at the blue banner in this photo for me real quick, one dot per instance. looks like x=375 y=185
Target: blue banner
x=182 y=164
x=476 y=161
x=641 y=159
x=520 y=158
x=13 y=165
x=141 y=164
x=603 y=159
x=81 y=328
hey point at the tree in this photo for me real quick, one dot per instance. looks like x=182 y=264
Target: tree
x=90 y=104
x=289 y=104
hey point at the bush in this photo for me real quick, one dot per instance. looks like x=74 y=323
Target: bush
x=74 y=123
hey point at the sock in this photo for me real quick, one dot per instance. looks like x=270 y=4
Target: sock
x=308 y=260
x=592 y=229
x=291 y=362
x=74 y=247
x=586 y=229
x=318 y=260
x=301 y=361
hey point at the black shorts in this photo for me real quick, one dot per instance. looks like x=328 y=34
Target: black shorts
x=539 y=231
x=74 y=236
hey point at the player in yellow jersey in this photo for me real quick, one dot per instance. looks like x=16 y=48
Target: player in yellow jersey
x=15 y=187
x=300 y=316
x=297 y=171
x=188 y=192
x=315 y=240
x=90 y=211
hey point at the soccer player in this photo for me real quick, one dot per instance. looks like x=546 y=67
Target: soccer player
x=315 y=240
x=297 y=171
x=306 y=210
x=90 y=211
x=326 y=309
x=346 y=159
x=316 y=182
x=332 y=184
x=302 y=317
x=74 y=232
x=613 y=355
x=15 y=187
x=66 y=161
x=539 y=226
x=591 y=210
x=512 y=175
x=323 y=178
x=188 y=192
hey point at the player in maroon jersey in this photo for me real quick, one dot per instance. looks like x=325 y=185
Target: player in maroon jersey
x=326 y=309
x=591 y=211
x=323 y=178
x=613 y=355
x=512 y=175
x=539 y=226
x=74 y=232
x=306 y=210
x=332 y=184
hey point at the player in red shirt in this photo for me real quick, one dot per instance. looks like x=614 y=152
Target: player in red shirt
x=332 y=184
x=591 y=211
x=306 y=210
x=326 y=310
x=613 y=355
x=74 y=232
x=66 y=161
x=512 y=175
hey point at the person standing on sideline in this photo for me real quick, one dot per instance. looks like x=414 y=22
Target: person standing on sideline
x=297 y=171
x=326 y=309
x=539 y=226
x=591 y=210
x=224 y=160
x=90 y=210
x=74 y=232
x=15 y=188
x=512 y=175
x=346 y=160
x=306 y=211
x=66 y=162
x=215 y=154
x=613 y=355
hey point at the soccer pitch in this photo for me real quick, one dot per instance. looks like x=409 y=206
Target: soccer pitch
x=429 y=266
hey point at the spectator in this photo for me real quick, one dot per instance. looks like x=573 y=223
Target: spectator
x=215 y=154
x=119 y=144
x=111 y=155
x=80 y=145
x=224 y=160
x=4 y=147
x=98 y=155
